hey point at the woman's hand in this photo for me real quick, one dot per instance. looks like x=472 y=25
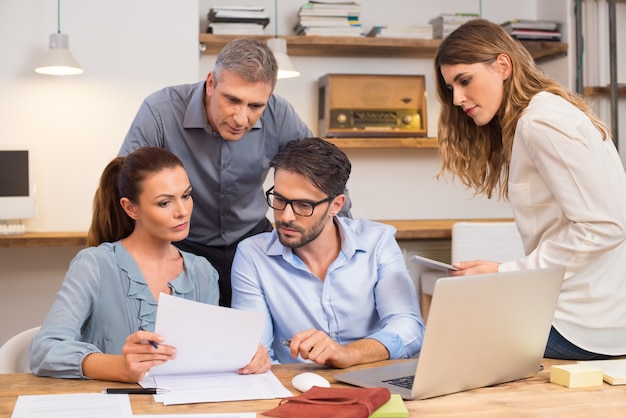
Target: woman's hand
x=466 y=268
x=138 y=356
x=260 y=363
x=144 y=350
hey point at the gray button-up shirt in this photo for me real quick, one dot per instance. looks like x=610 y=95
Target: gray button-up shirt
x=227 y=176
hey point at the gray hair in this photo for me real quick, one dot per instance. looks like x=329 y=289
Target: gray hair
x=249 y=59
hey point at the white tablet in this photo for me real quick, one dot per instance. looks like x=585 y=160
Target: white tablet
x=433 y=264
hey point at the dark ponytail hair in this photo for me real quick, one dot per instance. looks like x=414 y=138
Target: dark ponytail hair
x=124 y=177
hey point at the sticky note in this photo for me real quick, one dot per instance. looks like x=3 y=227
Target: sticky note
x=576 y=375
x=394 y=408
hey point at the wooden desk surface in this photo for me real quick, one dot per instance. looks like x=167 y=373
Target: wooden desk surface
x=530 y=397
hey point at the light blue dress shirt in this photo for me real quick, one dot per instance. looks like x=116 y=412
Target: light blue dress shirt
x=103 y=299
x=367 y=291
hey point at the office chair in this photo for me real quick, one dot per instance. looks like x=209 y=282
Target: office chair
x=493 y=241
x=15 y=353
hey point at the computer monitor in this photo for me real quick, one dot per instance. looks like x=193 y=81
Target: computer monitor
x=17 y=183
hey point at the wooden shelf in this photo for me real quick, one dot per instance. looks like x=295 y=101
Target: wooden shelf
x=361 y=143
x=335 y=46
x=44 y=239
x=545 y=50
x=407 y=230
x=603 y=91
x=362 y=46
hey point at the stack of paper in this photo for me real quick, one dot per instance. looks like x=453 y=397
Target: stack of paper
x=212 y=343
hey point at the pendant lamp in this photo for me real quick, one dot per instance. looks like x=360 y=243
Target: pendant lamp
x=286 y=69
x=59 y=60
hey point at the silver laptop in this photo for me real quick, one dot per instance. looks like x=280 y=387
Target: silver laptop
x=482 y=330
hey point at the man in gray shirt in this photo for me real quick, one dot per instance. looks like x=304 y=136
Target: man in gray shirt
x=225 y=130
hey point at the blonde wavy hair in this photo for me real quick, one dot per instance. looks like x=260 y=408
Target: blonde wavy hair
x=479 y=156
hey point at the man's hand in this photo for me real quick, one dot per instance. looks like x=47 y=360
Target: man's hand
x=317 y=346
x=260 y=363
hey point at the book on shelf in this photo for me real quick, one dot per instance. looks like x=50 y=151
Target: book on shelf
x=243 y=8
x=331 y=31
x=446 y=23
x=237 y=20
x=338 y=21
x=614 y=371
x=326 y=8
x=262 y=21
x=329 y=19
x=453 y=18
x=528 y=29
x=235 y=29
x=402 y=31
x=548 y=25
x=536 y=35
x=237 y=12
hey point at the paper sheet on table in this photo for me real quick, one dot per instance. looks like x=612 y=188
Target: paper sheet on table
x=81 y=405
x=218 y=387
x=208 y=338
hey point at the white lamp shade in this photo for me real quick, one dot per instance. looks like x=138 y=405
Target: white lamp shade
x=286 y=69
x=59 y=60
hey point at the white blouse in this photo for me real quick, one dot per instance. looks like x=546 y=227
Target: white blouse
x=567 y=189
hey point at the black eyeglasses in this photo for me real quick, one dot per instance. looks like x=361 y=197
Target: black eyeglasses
x=299 y=207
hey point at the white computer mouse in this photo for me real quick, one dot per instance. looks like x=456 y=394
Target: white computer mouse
x=305 y=381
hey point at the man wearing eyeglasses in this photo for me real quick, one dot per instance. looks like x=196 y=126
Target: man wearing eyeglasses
x=335 y=291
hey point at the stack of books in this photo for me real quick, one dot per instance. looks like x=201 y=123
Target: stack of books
x=323 y=18
x=402 y=31
x=445 y=23
x=237 y=20
x=538 y=30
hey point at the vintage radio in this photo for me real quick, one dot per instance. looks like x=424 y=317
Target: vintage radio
x=367 y=105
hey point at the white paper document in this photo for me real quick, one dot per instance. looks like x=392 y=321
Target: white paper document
x=218 y=387
x=212 y=343
x=81 y=405
x=207 y=338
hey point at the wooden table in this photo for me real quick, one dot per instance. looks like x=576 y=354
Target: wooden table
x=532 y=397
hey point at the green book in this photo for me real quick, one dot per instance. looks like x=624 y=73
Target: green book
x=394 y=408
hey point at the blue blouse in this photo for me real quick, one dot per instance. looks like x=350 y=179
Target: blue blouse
x=103 y=299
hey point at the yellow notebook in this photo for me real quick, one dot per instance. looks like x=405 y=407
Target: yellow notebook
x=394 y=408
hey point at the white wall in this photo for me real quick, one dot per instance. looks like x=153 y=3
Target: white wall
x=75 y=125
x=128 y=49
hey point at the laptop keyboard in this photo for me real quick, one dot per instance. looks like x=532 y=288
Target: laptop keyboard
x=404 y=382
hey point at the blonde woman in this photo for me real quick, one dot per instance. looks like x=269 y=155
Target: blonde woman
x=507 y=130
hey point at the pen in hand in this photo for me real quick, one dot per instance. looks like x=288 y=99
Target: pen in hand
x=152 y=343
x=288 y=344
